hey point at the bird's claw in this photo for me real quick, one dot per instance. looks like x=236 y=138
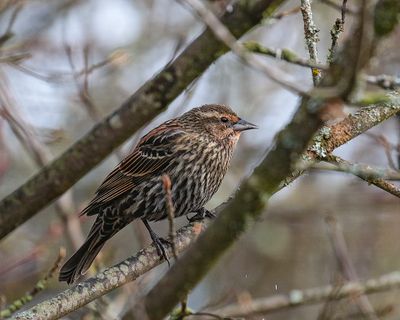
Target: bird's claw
x=160 y=244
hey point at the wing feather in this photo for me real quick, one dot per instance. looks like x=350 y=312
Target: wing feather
x=152 y=155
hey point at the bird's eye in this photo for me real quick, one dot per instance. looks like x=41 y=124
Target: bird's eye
x=224 y=119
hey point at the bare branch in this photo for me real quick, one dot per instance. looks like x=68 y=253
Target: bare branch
x=337 y=29
x=296 y=298
x=39 y=286
x=283 y=54
x=346 y=265
x=311 y=36
x=354 y=169
x=223 y=34
x=385 y=81
x=366 y=170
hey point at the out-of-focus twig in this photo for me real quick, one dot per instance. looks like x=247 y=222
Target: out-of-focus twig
x=26 y=134
x=384 y=81
x=286 y=13
x=39 y=286
x=14 y=58
x=83 y=89
x=282 y=54
x=339 y=7
x=337 y=29
x=296 y=298
x=366 y=170
x=346 y=265
x=8 y=32
x=311 y=37
x=223 y=34
x=387 y=146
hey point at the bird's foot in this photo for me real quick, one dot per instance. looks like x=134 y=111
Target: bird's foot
x=201 y=214
x=160 y=244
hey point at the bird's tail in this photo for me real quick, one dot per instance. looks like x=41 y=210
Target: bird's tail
x=83 y=258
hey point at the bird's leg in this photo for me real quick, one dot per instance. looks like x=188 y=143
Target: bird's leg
x=201 y=214
x=159 y=242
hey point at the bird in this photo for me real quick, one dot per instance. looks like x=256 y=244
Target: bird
x=193 y=150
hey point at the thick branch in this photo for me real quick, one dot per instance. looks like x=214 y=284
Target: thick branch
x=150 y=100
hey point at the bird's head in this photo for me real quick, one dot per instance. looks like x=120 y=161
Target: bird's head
x=218 y=121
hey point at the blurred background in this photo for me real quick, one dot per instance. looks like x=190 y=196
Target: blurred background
x=74 y=61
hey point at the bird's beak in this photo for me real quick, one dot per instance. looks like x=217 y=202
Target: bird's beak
x=243 y=125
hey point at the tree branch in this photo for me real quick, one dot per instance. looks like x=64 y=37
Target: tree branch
x=354 y=169
x=297 y=298
x=222 y=32
x=311 y=37
x=109 y=279
x=149 y=101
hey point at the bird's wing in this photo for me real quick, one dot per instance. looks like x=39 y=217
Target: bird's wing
x=150 y=157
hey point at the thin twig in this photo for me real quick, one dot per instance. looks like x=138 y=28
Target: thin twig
x=38 y=287
x=337 y=29
x=170 y=210
x=27 y=136
x=388 y=148
x=311 y=37
x=8 y=34
x=13 y=60
x=283 y=54
x=339 y=7
x=171 y=215
x=379 y=182
x=297 y=298
x=286 y=13
x=83 y=89
x=346 y=265
x=366 y=170
x=223 y=34
x=15 y=57
x=384 y=81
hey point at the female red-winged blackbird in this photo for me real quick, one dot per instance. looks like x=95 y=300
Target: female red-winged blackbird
x=194 y=150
